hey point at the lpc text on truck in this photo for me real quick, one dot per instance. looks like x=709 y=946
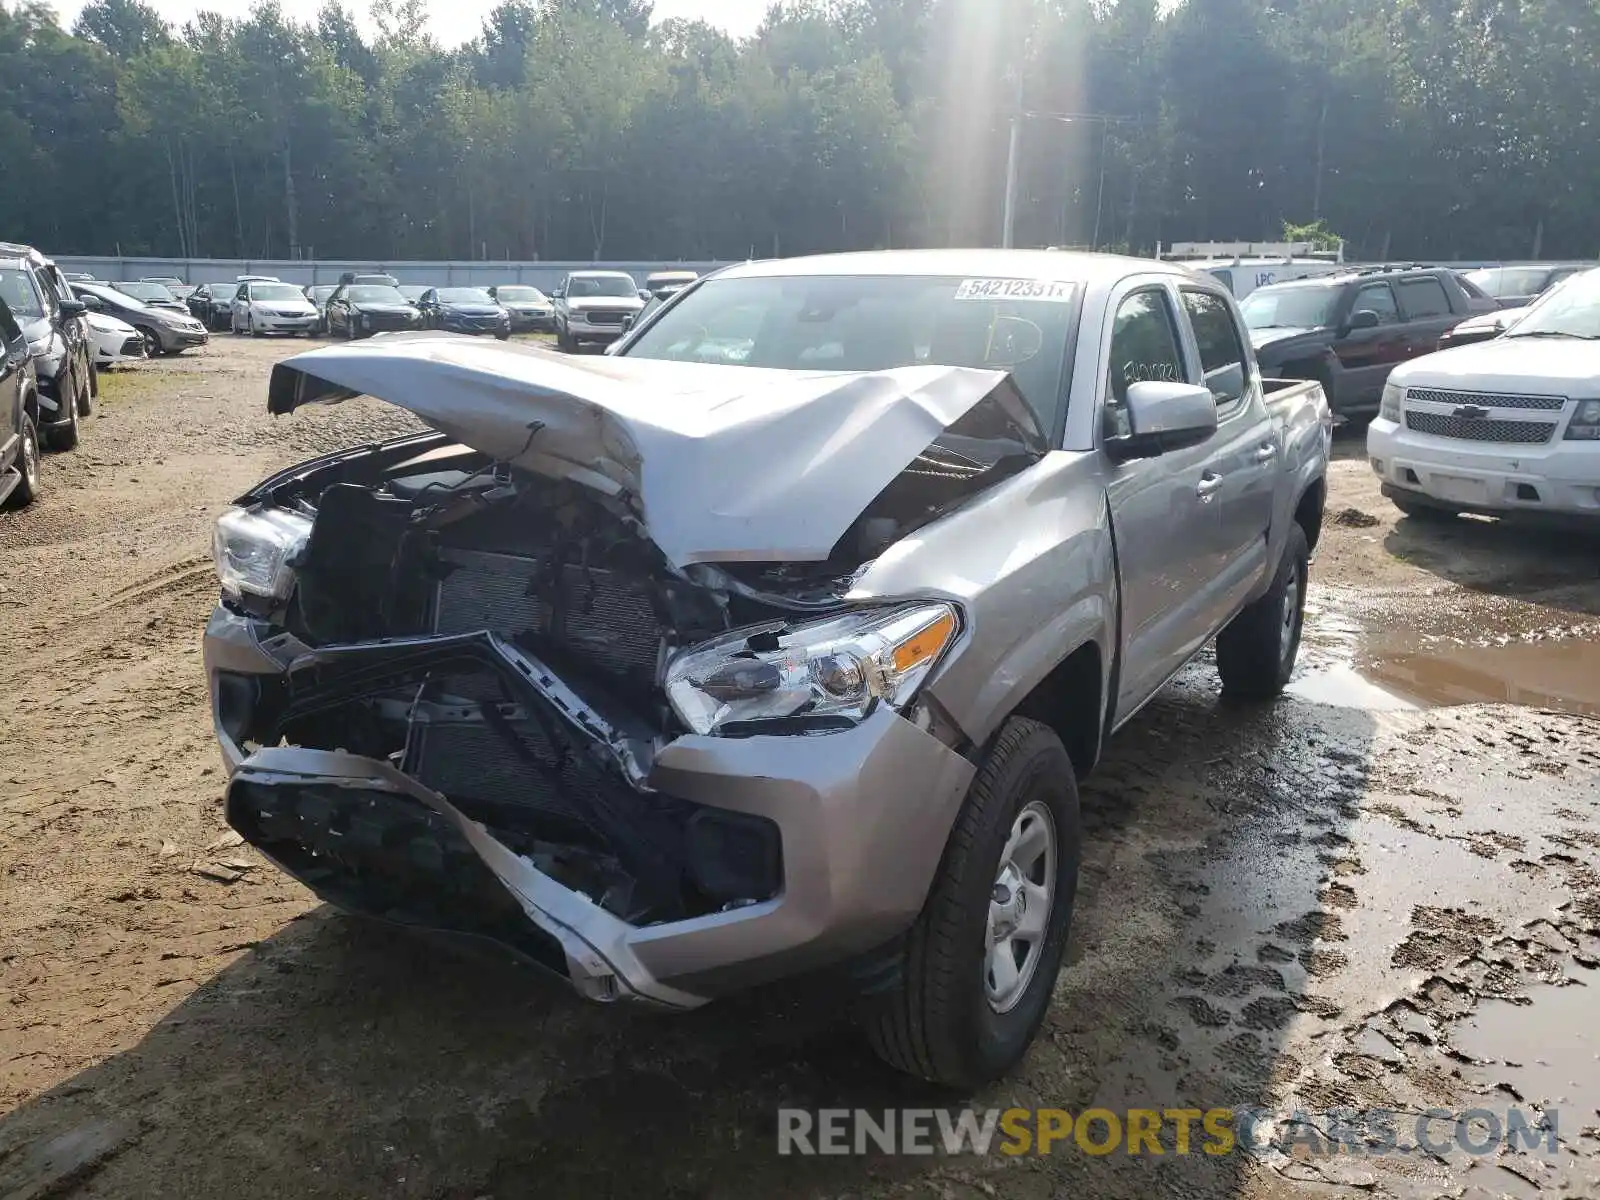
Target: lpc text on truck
x=777 y=640
x=1242 y=267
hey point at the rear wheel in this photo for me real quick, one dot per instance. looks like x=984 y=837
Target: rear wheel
x=27 y=491
x=1257 y=649
x=982 y=958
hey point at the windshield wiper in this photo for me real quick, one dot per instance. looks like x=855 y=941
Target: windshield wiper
x=1556 y=333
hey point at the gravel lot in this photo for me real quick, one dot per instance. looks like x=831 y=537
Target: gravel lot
x=1380 y=891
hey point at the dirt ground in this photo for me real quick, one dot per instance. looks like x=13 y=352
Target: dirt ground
x=1381 y=891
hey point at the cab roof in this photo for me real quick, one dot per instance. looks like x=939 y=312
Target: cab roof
x=1002 y=264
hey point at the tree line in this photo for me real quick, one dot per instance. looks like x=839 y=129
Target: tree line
x=580 y=129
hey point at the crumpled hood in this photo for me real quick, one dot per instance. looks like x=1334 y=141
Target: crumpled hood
x=1260 y=338
x=723 y=463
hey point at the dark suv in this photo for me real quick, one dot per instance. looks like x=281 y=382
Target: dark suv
x=1348 y=331
x=57 y=332
x=19 y=415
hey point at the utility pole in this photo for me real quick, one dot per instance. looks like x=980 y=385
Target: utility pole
x=1009 y=225
x=1014 y=154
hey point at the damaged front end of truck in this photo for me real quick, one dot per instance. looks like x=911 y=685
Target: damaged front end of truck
x=580 y=670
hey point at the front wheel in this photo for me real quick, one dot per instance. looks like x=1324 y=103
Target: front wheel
x=152 y=342
x=65 y=436
x=981 y=961
x=27 y=491
x=1257 y=649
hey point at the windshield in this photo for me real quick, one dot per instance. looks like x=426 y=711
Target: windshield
x=112 y=297
x=1290 y=306
x=581 y=287
x=1510 y=281
x=521 y=295
x=372 y=293
x=1571 y=309
x=413 y=291
x=16 y=288
x=465 y=296
x=275 y=291
x=320 y=293
x=145 y=291
x=872 y=323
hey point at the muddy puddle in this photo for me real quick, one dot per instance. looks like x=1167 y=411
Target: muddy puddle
x=1543 y=1048
x=1460 y=651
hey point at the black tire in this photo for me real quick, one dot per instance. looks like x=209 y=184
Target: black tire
x=65 y=437
x=1255 y=656
x=564 y=341
x=502 y=337
x=86 y=400
x=937 y=1022
x=27 y=491
x=152 y=341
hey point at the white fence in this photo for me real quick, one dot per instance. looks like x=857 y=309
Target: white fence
x=542 y=275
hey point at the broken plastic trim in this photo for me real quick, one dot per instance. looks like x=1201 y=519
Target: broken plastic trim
x=362 y=667
x=600 y=963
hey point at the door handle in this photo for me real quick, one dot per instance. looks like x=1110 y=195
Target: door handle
x=1208 y=485
x=1265 y=453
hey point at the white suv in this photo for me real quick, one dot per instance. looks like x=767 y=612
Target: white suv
x=1504 y=426
x=594 y=306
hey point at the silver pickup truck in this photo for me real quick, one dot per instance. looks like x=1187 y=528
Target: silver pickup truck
x=776 y=641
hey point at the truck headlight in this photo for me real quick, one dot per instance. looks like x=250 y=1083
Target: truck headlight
x=254 y=547
x=1585 y=423
x=835 y=670
x=1389 y=406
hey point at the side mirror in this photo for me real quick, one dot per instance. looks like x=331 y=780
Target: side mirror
x=1163 y=417
x=1364 y=318
x=92 y=303
x=644 y=293
x=627 y=321
x=73 y=308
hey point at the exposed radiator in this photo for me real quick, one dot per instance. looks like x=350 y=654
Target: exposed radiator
x=603 y=619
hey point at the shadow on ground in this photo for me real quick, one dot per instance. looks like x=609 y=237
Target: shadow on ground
x=339 y=1058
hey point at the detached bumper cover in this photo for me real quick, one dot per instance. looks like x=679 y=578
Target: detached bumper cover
x=862 y=814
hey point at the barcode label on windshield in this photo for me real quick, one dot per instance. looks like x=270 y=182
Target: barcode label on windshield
x=1049 y=290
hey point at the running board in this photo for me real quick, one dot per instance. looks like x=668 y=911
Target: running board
x=9 y=479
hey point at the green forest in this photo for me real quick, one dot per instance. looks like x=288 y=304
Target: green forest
x=581 y=129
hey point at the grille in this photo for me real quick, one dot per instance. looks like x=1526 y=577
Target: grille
x=1487 y=399
x=604 y=316
x=134 y=346
x=1442 y=425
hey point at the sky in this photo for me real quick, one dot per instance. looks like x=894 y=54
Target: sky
x=453 y=21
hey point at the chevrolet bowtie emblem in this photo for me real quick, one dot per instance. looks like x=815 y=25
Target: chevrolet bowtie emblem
x=1471 y=412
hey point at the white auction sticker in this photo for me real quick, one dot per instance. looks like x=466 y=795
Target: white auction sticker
x=1051 y=290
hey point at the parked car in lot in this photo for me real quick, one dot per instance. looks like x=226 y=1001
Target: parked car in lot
x=52 y=320
x=663 y=284
x=358 y=310
x=531 y=310
x=413 y=291
x=156 y=295
x=375 y=278
x=646 y=672
x=318 y=294
x=1509 y=427
x=464 y=310
x=260 y=309
x=114 y=341
x=19 y=415
x=173 y=284
x=593 y=306
x=212 y=304
x=1516 y=286
x=163 y=331
x=1348 y=331
x=77 y=277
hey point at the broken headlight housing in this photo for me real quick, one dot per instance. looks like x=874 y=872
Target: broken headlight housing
x=832 y=672
x=254 y=548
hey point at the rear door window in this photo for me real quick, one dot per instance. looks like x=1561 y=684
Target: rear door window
x=1216 y=334
x=1423 y=298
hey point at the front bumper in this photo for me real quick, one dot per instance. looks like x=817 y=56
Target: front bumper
x=862 y=816
x=532 y=322
x=593 y=331
x=265 y=323
x=474 y=325
x=1558 y=478
x=180 y=339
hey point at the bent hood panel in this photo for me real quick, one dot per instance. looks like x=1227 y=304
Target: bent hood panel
x=723 y=463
